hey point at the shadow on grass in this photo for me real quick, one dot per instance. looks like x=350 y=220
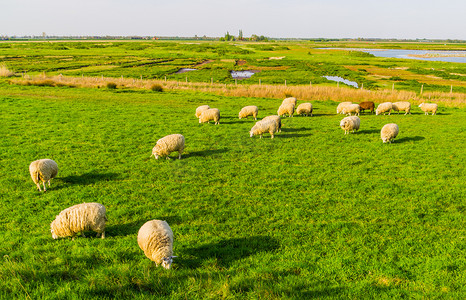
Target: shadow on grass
x=89 y=178
x=204 y=152
x=227 y=251
x=369 y=131
x=409 y=139
x=122 y=229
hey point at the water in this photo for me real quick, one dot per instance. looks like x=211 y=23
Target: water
x=242 y=74
x=345 y=81
x=184 y=70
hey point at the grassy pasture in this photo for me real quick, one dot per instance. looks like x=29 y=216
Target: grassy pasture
x=311 y=213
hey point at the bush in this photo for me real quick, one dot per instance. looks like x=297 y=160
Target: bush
x=111 y=85
x=156 y=88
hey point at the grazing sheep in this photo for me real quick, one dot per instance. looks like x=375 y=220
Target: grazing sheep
x=290 y=100
x=389 y=132
x=155 y=238
x=429 y=107
x=210 y=114
x=200 y=109
x=402 y=106
x=287 y=108
x=350 y=123
x=43 y=170
x=246 y=111
x=276 y=119
x=369 y=105
x=79 y=218
x=351 y=108
x=383 y=108
x=304 y=109
x=167 y=145
x=341 y=106
x=262 y=127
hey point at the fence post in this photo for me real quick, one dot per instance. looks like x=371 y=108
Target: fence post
x=259 y=81
x=338 y=84
x=422 y=88
x=310 y=83
x=451 y=89
x=236 y=82
x=186 y=79
x=211 y=81
x=285 y=82
x=362 y=86
x=393 y=87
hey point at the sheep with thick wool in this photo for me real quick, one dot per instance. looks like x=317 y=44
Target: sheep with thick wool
x=79 y=218
x=341 y=105
x=429 y=107
x=389 y=132
x=276 y=119
x=155 y=238
x=250 y=110
x=287 y=108
x=304 y=109
x=290 y=100
x=402 y=106
x=200 y=109
x=211 y=114
x=383 y=108
x=167 y=145
x=351 y=123
x=262 y=127
x=351 y=109
x=43 y=170
x=369 y=105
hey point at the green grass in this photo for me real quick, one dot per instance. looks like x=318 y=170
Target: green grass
x=311 y=213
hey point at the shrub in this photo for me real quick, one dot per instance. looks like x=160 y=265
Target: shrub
x=111 y=85
x=156 y=88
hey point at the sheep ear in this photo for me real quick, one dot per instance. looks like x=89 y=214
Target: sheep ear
x=173 y=256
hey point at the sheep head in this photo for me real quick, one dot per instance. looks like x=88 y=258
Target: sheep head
x=167 y=262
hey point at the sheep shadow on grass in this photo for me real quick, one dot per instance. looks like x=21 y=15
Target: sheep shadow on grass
x=409 y=139
x=204 y=153
x=368 y=131
x=227 y=251
x=89 y=178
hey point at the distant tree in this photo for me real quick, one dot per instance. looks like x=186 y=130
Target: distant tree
x=240 y=35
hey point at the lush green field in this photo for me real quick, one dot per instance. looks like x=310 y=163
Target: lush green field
x=311 y=213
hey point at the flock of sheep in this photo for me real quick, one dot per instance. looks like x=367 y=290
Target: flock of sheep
x=155 y=237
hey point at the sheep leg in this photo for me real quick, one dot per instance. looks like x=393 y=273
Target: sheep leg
x=179 y=154
x=38 y=187
x=82 y=234
x=102 y=235
x=43 y=183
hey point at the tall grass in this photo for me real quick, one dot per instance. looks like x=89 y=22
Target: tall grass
x=4 y=72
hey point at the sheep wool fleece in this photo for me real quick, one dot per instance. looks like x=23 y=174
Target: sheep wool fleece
x=155 y=238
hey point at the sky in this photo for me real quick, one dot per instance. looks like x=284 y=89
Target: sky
x=402 y=19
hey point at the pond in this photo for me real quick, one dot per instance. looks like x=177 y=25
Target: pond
x=243 y=74
x=339 y=79
x=184 y=70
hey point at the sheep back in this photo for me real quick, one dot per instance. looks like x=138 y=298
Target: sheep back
x=290 y=100
x=276 y=119
x=287 y=108
x=200 y=109
x=209 y=115
x=351 y=123
x=304 y=109
x=79 y=218
x=169 y=144
x=262 y=127
x=367 y=105
x=429 y=107
x=246 y=111
x=383 y=108
x=341 y=106
x=351 y=108
x=402 y=106
x=43 y=170
x=389 y=132
x=155 y=238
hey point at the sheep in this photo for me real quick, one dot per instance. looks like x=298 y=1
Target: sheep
x=287 y=108
x=403 y=106
x=290 y=100
x=341 y=105
x=43 y=170
x=276 y=119
x=79 y=218
x=262 y=127
x=304 y=109
x=155 y=238
x=200 y=109
x=210 y=114
x=383 y=108
x=351 y=108
x=246 y=111
x=350 y=123
x=429 y=107
x=367 y=105
x=167 y=145
x=389 y=132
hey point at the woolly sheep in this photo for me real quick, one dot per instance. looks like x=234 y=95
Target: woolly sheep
x=262 y=127
x=290 y=100
x=167 y=145
x=389 y=132
x=304 y=109
x=276 y=119
x=351 y=108
x=287 y=108
x=200 y=109
x=246 y=111
x=369 y=105
x=402 y=106
x=210 y=114
x=429 y=107
x=155 y=238
x=341 y=106
x=79 y=218
x=350 y=123
x=43 y=170
x=383 y=108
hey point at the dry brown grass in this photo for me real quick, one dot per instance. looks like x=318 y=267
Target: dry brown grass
x=4 y=72
x=301 y=92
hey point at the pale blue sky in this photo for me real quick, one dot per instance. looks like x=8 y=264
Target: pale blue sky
x=407 y=19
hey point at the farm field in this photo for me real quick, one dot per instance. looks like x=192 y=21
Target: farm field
x=310 y=213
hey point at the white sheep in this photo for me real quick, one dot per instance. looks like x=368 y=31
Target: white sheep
x=402 y=106
x=351 y=109
x=155 y=238
x=79 y=218
x=200 y=109
x=350 y=123
x=429 y=107
x=290 y=100
x=287 y=108
x=389 y=132
x=276 y=119
x=304 y=109
x=210 y=114
x=167 y=145
x=383 y=108
x=262 y=127
x=43 y=170
x=341 y=106
x=246 y=111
